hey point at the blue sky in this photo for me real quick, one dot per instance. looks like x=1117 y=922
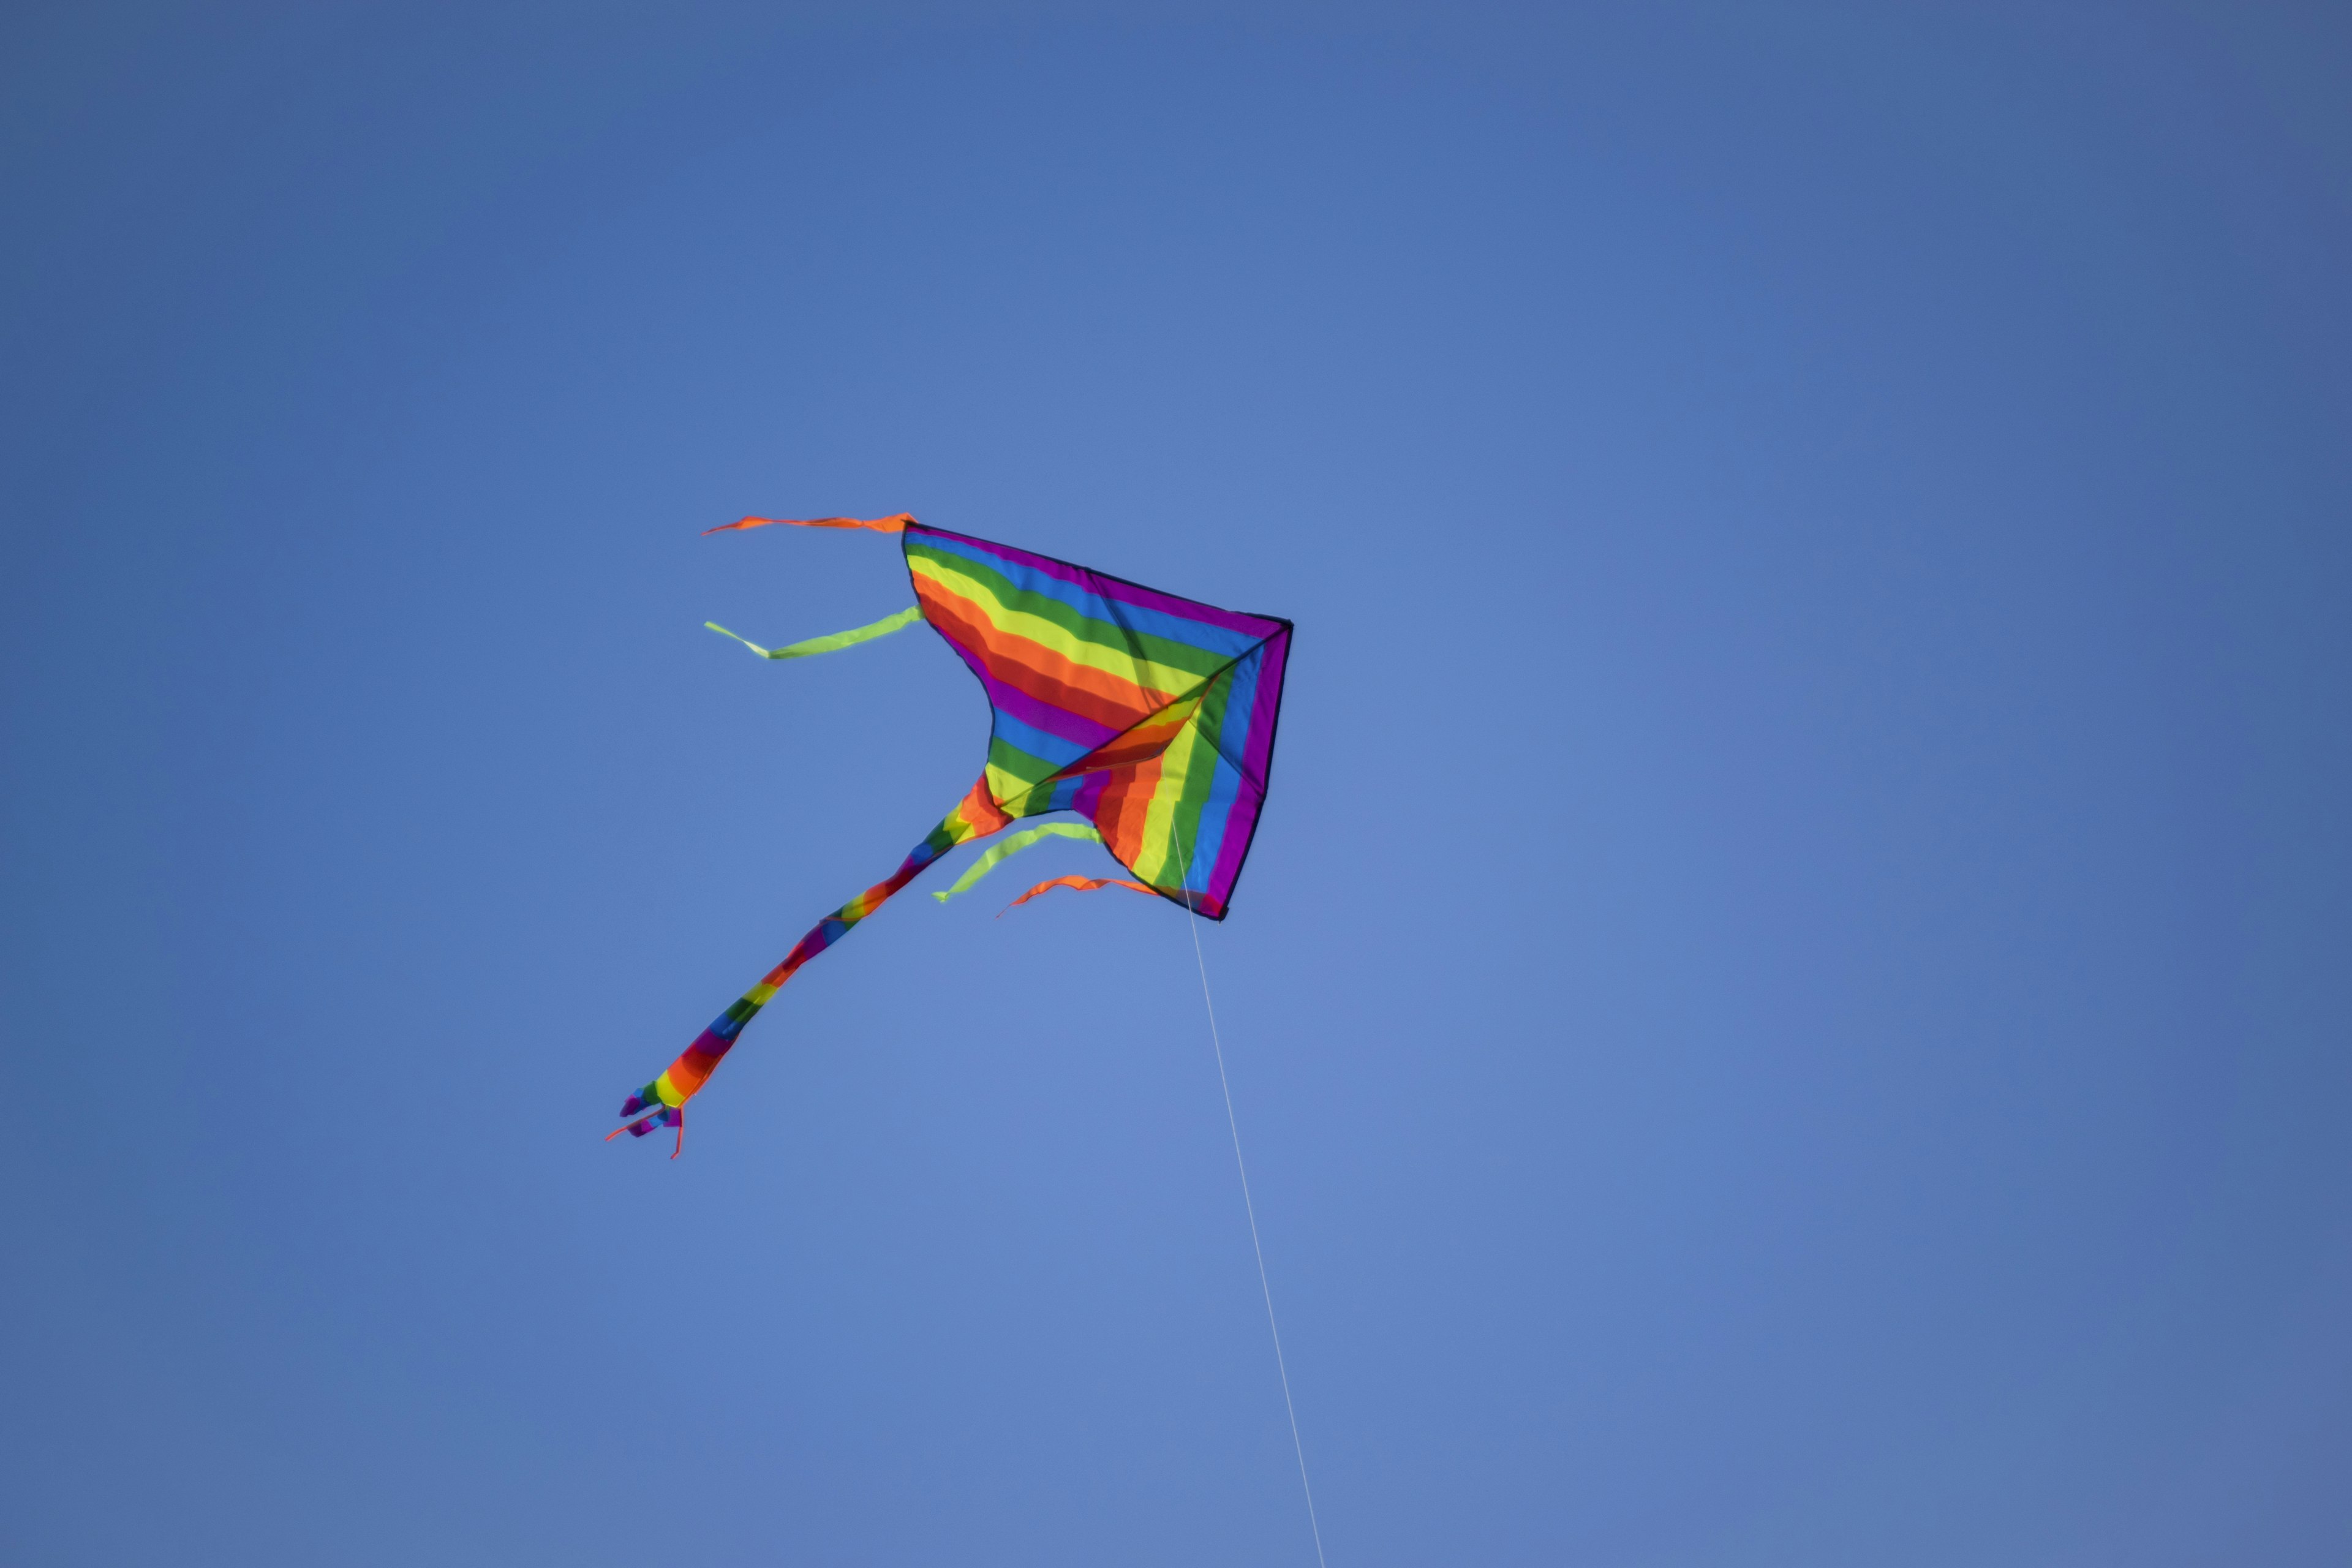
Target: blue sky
x=1790 y=1002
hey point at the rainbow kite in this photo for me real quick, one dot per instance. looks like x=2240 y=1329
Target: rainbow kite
x=1150 y=716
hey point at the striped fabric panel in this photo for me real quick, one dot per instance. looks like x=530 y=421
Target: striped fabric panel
x=1150 y=715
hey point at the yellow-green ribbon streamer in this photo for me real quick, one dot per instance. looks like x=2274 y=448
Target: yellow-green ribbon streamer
x=1013 y=845
x=836 y=642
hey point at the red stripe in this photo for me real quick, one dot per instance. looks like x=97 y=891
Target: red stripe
x=1030 y=667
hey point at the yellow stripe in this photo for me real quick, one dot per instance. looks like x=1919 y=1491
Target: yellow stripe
x=1011 y=791
x=1157 y=680
x=1014 y=793
x=668 y=1091
x=1158 y=861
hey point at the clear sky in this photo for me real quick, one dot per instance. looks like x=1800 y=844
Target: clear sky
x=1790 y=1004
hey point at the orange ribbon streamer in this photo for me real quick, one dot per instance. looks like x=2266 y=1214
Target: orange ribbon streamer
x=879 y=524
x=1082 y=884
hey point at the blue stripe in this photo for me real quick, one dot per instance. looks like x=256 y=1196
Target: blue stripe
x=1232 y=730
x=1224 y=789
x=1057 y=750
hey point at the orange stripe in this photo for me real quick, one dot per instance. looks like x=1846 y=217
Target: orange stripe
x=1007 y=654
x=690 y=1072
x=1110 y=700
x=1121 y=812
x=979 y=813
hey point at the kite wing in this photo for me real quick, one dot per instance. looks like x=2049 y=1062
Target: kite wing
x=1151 y=716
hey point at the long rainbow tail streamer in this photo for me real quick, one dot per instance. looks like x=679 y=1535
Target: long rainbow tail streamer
x=976 y=817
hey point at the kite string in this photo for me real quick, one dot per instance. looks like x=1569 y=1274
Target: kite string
x=1192 y=921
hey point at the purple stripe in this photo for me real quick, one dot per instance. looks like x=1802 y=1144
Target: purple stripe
x=1040 y=714
x=1241 y=823
x=1264 y=705
x=1033 y=711
x=1109 y=587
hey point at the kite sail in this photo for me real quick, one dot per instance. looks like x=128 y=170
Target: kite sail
x=1150 y=716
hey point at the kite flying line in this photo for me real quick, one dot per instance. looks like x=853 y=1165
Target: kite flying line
x=1192 y=925
x=1149 y=716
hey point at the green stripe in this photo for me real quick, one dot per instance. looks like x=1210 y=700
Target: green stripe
x=1194 y=799
x=1212 y=717
x=1029 y=768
